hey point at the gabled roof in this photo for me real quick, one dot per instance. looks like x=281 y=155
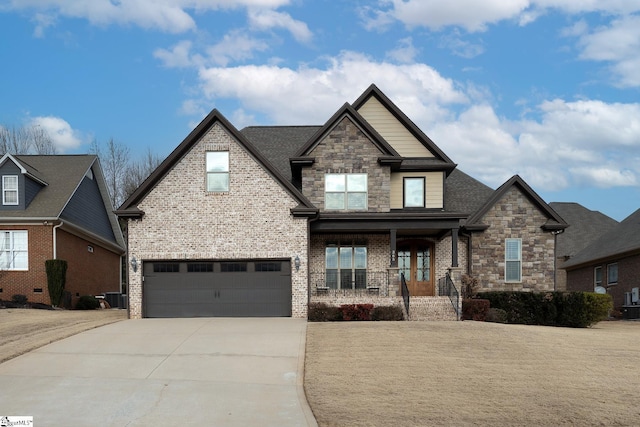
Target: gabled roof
x=622 y=240
x=62 y=174
x=347 y=111
x=129 y=207
x=25 y=168
x=60 y=177
x=584 y=227
x=278 y=143
x=465 y=194
x=554 y=222
x=373 y=91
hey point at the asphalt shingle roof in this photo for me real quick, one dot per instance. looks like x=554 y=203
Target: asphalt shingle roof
x=465 y=194
x=62 y=173
x=584 y=227
x=625 y=237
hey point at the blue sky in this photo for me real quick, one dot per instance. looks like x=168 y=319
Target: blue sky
x=547 y=89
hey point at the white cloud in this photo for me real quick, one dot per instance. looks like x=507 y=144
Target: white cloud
x=310 y=95
x=172 y=16
x=235 y=46
x=59 y=130
x=178 y=56
x=404 y=53
x=264 y=19
x=461 y=47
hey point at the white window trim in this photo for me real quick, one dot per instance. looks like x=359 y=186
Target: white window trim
x=346 y=192
x=519 y=260
x=5 y=190
x=227 y=172
x=11 y=251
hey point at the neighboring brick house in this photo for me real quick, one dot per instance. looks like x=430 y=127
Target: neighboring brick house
x=611 y=262
x=585 y=227
x=57 y=207
x=263 y=220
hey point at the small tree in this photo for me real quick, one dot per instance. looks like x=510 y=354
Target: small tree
x=56 y=279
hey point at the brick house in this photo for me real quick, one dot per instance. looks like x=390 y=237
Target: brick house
x=611 y=262
x=263 y=220
x=585 y=227
x=57 y=207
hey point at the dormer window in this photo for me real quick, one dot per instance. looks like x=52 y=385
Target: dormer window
x=10 y=190
x=345 y=191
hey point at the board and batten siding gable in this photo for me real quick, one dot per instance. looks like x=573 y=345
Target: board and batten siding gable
x=394 y=132
x=434 y=189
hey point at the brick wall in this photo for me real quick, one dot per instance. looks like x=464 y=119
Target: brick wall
x=347 y=150
x=582 y=279
x=184 y=221
x=514 y=216
x=24 y=282
x=88 y=273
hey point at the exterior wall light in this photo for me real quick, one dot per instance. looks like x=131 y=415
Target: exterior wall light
x=134 y=264
x=296 y=262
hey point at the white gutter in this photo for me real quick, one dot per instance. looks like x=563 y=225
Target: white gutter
x=55 y=248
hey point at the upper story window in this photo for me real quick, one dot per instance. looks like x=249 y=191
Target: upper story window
x=413 y=190
x=217 y=171
x=14 y=250
x=345 y=191
x=10 y=190
x=513 y=260
x=612 y=274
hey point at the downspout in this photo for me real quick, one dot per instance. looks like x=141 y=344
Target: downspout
x=55 y=239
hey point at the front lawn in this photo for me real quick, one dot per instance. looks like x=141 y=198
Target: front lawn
x=472 y=373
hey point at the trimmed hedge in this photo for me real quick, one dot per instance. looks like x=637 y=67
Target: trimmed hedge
x=475 y=309
x=572 y=309
x=322 y=312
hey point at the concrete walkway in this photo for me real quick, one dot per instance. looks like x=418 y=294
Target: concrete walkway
x=154 y=372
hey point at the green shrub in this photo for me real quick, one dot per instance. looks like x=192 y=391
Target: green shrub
x=573 y=309
x=322 y=312
x=356 y=311
x=19 y=299
x=496 y=315
x=475 y=309
x=87 y=302
x=387 y=312
x=56 y=279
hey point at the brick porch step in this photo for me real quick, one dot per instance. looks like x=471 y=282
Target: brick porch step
x=431 y=308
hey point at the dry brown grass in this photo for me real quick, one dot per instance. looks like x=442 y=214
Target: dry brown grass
x=472 y=373
x=23 y=330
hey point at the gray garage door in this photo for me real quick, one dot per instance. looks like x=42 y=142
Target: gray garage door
x=254 y=288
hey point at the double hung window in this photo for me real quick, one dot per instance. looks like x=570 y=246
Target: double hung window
x=14 y=250
x=10 y=190
x=597 y=277
x=218 y=171
x=346 y=267
x=612 y=274
x=345 y=191
x=513 y=260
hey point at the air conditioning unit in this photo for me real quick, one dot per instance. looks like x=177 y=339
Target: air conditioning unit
x=635 y=295
x=627 y=298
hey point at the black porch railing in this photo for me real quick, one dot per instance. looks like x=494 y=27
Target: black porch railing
x=446 y=287
x=363 y=282
x=405 y=292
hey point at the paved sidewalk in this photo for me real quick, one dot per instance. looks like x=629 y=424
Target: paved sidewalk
x=152 y=372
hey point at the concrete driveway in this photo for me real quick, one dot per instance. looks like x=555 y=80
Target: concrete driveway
x=153 y=372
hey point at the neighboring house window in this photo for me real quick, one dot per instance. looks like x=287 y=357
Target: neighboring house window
x=345 y=191
x=10 y=190
x=597 y=277
x=346 y=267
x=217 y=171
x=513 y=260
x=414 y=192
x=612 y=274
x=14 y=250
